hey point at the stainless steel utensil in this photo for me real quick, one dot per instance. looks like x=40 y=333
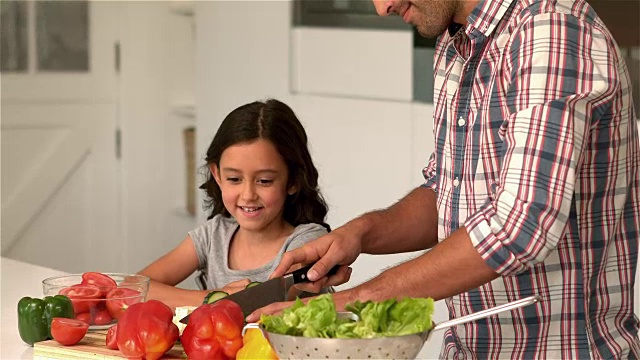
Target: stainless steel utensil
x=396 y=347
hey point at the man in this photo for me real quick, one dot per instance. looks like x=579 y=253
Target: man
x=533 y=188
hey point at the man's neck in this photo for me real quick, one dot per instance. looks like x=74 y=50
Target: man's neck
x=465 y=9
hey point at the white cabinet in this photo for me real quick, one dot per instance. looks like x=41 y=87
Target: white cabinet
x=361 y=64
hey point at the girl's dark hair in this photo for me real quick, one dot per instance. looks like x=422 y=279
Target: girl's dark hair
x=274 y=121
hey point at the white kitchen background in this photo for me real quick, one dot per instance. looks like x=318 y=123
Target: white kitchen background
x=94 y=172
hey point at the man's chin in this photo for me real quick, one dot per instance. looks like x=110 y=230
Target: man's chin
x=426 y=33
x=430 y=31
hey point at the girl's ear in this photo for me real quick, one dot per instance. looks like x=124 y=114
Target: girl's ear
x=215 y=172
x=292 y=189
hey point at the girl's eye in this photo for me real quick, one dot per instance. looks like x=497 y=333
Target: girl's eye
x=265 y=181
x=233 y=179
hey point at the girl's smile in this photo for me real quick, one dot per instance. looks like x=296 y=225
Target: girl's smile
x=251 y=211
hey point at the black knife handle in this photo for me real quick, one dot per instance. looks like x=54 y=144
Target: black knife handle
x=300 y=275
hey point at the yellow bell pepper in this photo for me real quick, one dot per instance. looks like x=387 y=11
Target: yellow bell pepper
x=255 y=346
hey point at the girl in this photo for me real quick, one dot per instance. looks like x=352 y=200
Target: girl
x=263 y=192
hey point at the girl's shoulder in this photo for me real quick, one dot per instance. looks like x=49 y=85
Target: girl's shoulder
x=313 y=227
x=306 y=232
x=218 y=224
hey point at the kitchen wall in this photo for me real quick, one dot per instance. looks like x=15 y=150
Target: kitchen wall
x=157 y=89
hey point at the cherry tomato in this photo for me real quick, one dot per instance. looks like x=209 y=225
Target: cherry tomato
x=85 y=317
x=102 y=317
x=68 y=331
x=117 y=305
x=83 y=297
x=112 y=340
x=102 y=281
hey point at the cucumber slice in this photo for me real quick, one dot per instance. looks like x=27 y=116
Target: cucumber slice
x=214 y=296
x=253 y=283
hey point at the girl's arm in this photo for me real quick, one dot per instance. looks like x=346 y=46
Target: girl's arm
x=170 y=270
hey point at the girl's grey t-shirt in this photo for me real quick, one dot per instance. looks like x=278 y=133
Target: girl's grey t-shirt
x=212 y=240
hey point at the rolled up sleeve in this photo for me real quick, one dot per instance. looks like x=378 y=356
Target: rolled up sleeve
x=557 y=77
x=429 y=173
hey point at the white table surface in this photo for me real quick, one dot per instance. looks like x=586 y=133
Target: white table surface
x=18 y=279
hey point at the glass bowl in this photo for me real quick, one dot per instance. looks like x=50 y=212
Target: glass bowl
x=99 y=299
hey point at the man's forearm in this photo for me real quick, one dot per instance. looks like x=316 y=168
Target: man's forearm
x=410 y=224
x=452 y=267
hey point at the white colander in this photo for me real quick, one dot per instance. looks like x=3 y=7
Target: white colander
x=396 y=347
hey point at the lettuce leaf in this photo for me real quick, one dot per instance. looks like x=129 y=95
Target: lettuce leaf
x=376 y=319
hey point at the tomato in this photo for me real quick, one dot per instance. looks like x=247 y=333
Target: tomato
x=112 y=340
x=81 y=291
x=68 y=331
x=83 y=297
x=102 y=317
x=102 y=281
x=85 y=317
x=117 y=305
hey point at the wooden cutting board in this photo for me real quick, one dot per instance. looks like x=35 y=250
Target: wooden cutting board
x=92 y=346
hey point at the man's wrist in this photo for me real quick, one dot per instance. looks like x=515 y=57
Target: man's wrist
x=360 y=228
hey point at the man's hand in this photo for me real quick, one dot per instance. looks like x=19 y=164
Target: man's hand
x=271 y=309
x=340 y=299
x=340 y=247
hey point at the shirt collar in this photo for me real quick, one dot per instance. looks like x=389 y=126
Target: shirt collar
x=454 y=28
x=485 y=17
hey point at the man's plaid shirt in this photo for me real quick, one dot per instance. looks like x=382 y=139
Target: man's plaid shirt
x=537 y=155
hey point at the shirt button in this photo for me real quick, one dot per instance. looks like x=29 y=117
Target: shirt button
x=456 y=182
x=461 y=121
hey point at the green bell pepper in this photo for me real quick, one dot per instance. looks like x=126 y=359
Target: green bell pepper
x=35 y=315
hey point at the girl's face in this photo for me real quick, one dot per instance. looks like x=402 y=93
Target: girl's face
x=253 y=179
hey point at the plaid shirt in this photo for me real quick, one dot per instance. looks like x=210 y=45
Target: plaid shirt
x=537 y=156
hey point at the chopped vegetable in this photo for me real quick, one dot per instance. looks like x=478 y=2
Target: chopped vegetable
x=214 y=296
x=252 y=284
x=111 y=341
x=67 y=331
x=180 y=313
x=376 y=319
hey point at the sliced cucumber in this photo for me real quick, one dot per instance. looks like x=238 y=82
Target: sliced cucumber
x=253 y=283
x=214 y=296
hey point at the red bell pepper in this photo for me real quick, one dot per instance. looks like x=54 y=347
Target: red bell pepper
x=214 y=331
x=145 y=330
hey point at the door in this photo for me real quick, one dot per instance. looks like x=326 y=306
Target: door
x=60 y=168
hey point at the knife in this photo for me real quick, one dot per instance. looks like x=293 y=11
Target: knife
x=270 y=291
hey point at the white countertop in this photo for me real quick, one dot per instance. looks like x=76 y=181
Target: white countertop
x=18 y=279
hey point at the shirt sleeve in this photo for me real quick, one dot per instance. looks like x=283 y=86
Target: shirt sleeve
x=560 y=72
x=202 y=242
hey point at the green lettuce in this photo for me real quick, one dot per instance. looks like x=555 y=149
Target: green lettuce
x=318 y=318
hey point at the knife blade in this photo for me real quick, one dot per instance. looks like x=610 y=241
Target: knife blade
x=270 y=291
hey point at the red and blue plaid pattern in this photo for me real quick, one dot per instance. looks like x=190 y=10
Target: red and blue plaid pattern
x=537 y=155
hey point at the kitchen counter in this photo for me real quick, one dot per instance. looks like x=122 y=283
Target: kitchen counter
x=18 y=279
